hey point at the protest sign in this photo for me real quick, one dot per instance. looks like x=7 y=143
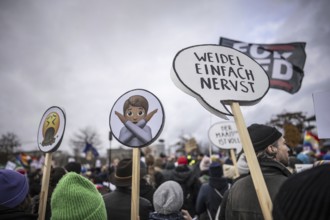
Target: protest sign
x=10 y=165
x=51 y=129
x=302 y=167
x=225 y=135
x=136 y=120
x=322 y=108
x=50 y=134
x=284 y=63
x=217 y=76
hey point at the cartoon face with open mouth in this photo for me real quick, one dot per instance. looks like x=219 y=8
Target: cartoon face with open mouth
x=50 y=128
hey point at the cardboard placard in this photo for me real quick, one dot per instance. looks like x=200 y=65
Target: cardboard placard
x=137 y=118
x=51 y=129
x=321 y=108
x=50 y=134
x=225 y=135
x=217 y=76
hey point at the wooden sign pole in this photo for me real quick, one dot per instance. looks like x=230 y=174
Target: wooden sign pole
x=44 y=187
x=233 y=158
x=258 y=180
x=135 y=184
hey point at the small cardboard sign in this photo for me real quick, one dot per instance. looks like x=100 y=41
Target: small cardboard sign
x=217 y=75
x=51 y=129
x=225 y=135
x=137 y=118
x=303 y=167
x=321 y=108
x=10 y=165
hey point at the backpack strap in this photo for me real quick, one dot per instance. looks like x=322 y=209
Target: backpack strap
x=219 y=208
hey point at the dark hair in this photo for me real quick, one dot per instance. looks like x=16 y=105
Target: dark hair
x=267 y=154
x=55 y=175
x=136 y=101
x=25 y=205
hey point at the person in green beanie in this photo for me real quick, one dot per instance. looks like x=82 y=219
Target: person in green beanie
x=76 y=197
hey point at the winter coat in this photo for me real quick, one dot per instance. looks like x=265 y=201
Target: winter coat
x=118 y=205
x=13 y=214
x=158 y=216
x=189 y=183
x=210 y=197
x=242 y=202
x=146 y=190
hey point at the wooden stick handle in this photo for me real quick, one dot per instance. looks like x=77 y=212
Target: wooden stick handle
x=135 y=184
x=44 y=187
x=251 y=158
x=233 y=158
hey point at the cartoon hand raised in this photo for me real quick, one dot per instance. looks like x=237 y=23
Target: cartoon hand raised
x=149 y=116
x=121 y=117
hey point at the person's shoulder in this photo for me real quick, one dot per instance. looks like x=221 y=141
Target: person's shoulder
x=242 y=179
x=115 y=193
x=144 y=202
x=107 y=196
x=205 y=186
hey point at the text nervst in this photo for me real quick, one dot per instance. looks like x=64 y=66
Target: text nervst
x=215 y=73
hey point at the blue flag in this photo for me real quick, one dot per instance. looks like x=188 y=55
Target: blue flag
x=89 y=147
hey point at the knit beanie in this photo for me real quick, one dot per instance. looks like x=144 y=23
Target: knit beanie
x=242 y=165
x=182 y=160
x=205 y=163
x=303 y=158
x=215 y=170
x=304 y=196
x=14 y=188
x=168 y=198
x=75 y=197
x=73 y=167
x=262 y=136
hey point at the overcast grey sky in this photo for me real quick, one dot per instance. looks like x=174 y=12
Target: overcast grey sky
x=83 y=55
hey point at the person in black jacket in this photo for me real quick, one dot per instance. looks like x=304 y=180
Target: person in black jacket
x=55 y=175
x=183 y=175
x=118 y=202
x=242 y=202
x=211 y=193
x=304 y=196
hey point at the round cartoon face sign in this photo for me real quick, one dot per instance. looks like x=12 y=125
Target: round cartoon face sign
x=51 y=129
x=137 y=118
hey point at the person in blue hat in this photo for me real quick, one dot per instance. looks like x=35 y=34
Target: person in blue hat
x=14 y=196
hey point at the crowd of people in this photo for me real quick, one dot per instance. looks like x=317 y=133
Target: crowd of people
x=172 y=188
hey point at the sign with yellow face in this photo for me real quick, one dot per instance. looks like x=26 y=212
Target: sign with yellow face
x=51 y=129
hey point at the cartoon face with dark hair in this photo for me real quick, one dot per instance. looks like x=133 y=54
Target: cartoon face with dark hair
x=135 y=132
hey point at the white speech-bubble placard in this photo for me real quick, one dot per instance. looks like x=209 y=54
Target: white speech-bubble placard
x=225 y=135
x=217 y=75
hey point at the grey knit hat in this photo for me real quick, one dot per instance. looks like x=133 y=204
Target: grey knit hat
x=168 y=198
x=242 y=165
